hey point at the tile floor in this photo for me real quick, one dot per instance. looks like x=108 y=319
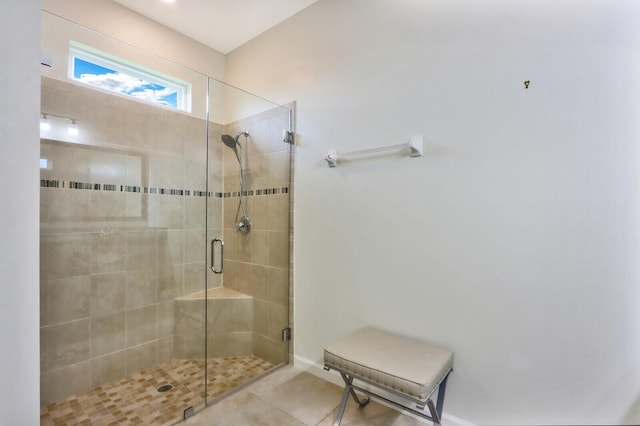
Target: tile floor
x=290 y=396
x=135 y=400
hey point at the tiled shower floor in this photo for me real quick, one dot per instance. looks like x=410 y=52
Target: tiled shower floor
x=134 y=400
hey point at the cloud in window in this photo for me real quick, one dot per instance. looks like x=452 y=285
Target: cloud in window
x=132 y=86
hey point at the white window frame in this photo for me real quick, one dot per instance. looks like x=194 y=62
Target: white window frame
x=103 y=59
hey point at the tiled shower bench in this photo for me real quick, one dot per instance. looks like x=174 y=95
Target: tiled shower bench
x=229 y=322
x=403 y=367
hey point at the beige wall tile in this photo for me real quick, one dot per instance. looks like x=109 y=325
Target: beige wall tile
x=215 y=212
x=165 y=349
x=141 y=249
x=166 y=211
x=166 y=319
x=68 y=299
x=214 y=280
x=65 y=255
x=259 y=281
x=136 y=205
x=194 y=245
x=231 y=268
x=230 y=207
x=278 y=212
x=229 y=315
x=260 y=317
x=277 y=285
x=195 y=137
x=61 y=383
x=107 y=205
x=141 y=288
x=244 y=281
x=141 y=357
x=107 y=334
x=276 y=167
x=189 y=316
x=107 y=251
x=170 y=282
x=230 y=344
x=194 y=277
x=67 y=343
x=194 y=210
x=259 y=138
x=168 y=135
x=189 y=346
x=274 y=351
x=261 y=212
x=170 y=247
x=166 y=171
x=243 y=246
x=55 y=204
x=279 y=249
x=260 y=346
x=278 y=318
x=94 y=159
x=108 y=368
x=195 y=173
x=141 y=325
x=108 y=293
x=260 y=247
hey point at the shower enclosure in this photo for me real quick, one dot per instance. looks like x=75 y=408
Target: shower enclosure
x=153 y=301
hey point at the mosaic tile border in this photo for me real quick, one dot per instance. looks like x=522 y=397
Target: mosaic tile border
x=90 y=186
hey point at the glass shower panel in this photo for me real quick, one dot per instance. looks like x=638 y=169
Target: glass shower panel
x=248 y=303
x=123 y=235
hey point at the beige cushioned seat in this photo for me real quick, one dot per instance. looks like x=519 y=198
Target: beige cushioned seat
x=409 y=366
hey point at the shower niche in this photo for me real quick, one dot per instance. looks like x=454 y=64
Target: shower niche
x=129 y=207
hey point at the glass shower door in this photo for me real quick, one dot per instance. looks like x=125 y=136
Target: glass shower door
x=248 y=302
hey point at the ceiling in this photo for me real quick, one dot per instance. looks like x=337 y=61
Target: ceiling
x=223 y=25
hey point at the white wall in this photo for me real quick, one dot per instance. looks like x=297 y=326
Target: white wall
x=515 y=239
x=19 y=215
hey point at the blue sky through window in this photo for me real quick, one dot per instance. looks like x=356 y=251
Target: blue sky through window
x=115 y=81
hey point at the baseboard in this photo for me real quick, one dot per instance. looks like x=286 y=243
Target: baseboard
x=317 y=370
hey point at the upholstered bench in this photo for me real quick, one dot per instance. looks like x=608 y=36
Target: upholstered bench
x=408 y=368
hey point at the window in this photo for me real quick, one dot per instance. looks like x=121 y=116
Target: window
x=99 y=69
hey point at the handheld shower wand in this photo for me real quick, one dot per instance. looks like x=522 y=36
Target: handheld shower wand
x=243 y=224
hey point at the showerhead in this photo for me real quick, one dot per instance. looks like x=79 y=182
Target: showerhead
x=230 y=141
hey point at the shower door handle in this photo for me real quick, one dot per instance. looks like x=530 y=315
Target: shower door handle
x=213 y=251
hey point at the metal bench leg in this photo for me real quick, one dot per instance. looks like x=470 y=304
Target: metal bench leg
x=348 y=390
x=349 y=381
x=434 y=413
x=441 y=391
x=436 y=410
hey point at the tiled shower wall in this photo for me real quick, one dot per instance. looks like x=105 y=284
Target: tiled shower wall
x=122 y=234
x=257 y=263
